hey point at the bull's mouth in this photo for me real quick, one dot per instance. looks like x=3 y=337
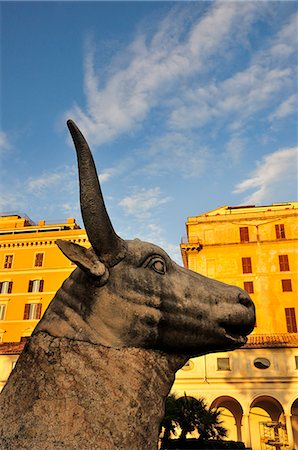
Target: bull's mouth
x=235 y=332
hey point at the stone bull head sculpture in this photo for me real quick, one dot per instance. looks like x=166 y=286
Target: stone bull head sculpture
x=103 y=357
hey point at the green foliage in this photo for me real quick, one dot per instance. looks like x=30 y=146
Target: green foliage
x=190 y=414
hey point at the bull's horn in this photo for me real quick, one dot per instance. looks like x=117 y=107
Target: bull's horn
x=108 y=246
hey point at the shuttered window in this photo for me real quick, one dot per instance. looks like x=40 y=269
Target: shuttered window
x=244 y=235
x=8 y=259
x=286 y=285
x=2 y=311
x=280 y=231
x=283 y=263
x=32 y=311
x=35 y=285
x=249 y=287
x=291 y=320
x=246 y=265
x=5 y=287
x=38 y=261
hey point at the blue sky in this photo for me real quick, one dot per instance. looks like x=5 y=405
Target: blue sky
x=187 y=106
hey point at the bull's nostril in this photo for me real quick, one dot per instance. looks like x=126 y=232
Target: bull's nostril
x=245 y=300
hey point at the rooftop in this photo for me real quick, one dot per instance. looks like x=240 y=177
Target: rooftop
x=226 y=210
x=272 y=340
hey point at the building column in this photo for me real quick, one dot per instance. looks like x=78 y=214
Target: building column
x=245 y=435
x=290 y=432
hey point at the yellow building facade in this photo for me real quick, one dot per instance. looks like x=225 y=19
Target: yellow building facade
x=255 y=248
x=32 y=268
x=252 y=247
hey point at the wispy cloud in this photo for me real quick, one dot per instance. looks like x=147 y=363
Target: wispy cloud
x=4 y=142
x=11 y=201
x=152 y=65
x=273 y=178
x=141 y=203
x=287 y=107
x=175 y=152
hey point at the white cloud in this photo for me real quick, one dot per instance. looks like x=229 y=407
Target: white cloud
x=273 y=178
x=235 y=147
x=4 y=142
x=175 y=152
x=150 y=67
x=287 y=107
x=142 y=202
x=236 y=98
x=11 y=201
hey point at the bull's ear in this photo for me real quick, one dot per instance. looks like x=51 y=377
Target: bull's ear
x=83 y=258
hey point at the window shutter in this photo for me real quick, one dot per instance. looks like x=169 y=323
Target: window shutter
x=249 y=287
x=244 y=236
x=246 y=265
x=286 y=285
x=38 y=311
x=26 y=311
x=41 y=285
x=283 y=263
x=1 y=284
x=291 y=320
x=30 y=286
x=38 y=259
x=280 y=231
x=277 y=232
x=9 y=287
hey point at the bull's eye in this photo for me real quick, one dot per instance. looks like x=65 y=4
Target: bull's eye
x=157 y=264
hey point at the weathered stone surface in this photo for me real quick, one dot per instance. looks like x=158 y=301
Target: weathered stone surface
x=103 y=358
x=71 y=395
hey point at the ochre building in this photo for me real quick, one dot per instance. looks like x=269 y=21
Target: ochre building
x=252 y=247
x=255 y=248
x=32 y=268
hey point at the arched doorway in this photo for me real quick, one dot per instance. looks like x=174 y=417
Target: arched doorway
x=267 y=424
x=231 y=415
x=294 y=420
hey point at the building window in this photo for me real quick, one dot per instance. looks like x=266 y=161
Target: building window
x=283 y=263
x=32 y=311
x=262 y=363
x=5 y=287
x=35 y=286
x=249 y=287
x=291 y=320
x=246 y=265
x=2 y=311
x=296 y=362
x=38 y=260
x=286 y=285
x=8 y=259
x=25 y=338
x=280 y=231
x=223 y=364
x=244 y=236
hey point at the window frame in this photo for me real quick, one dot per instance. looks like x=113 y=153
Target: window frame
x=244 y=234
x=284 y=265
x=280 y=231
x=8 y=264
x=9 y=287
x=36 y=259
x=291 y=321
x=32 y=311
x=223 y=360
x=246 y=264
x=36 y=282
x=250 y=286
x=286 y=285
x=3 y=307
